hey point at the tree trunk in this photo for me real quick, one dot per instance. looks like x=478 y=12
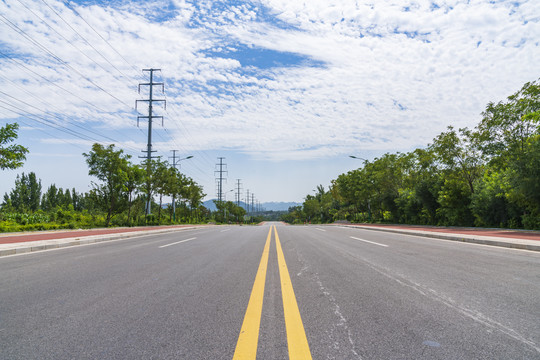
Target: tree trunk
x=129 y=209
x=159 y=210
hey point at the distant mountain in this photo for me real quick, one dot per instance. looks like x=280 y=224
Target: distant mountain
x=209 y=204
x=268 y=206
x=279 y=206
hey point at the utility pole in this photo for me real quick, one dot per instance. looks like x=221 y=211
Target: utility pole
x=220 y=178
x=150 y=118
x=238 y=189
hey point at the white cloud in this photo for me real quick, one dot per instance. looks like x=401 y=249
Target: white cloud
x=393 y=74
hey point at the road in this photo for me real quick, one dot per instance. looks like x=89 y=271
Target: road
x=210 y=294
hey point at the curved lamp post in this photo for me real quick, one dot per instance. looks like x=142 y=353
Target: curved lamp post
x=177 y=162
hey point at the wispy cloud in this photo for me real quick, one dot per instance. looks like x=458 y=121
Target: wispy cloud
x=275 y=79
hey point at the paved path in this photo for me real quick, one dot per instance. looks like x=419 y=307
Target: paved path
x=15 y=243
x=223 y=291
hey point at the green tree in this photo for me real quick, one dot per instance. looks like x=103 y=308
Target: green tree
x=50 y=198
x=458 y=152
x=421 y=185
x=506 y=127
x=11 y=156
x=26 y=194
x=77 y=200
x=34 y=185
x=67 y=202
x=509 y=136
x=194 y=195
x=151 y=181
x=162 y=180
x=134 y=179
x=462 y=165
x=237 y=212
x=110 y=166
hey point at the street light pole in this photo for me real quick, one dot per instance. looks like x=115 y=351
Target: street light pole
x=174 y=163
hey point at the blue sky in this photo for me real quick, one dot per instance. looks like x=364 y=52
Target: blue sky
x=284 y=90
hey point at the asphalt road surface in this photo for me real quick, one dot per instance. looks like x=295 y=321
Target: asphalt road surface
x=271 y=291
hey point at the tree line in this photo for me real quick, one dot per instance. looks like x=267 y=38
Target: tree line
x=119 y=195
x=487 y=176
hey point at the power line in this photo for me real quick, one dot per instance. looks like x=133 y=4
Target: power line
x=102 y=38
x=186 y=132
x=74 y=124
x=19 y=63
x=72 y=43
x=23 y=66
x=46 y=122
x=39 y=45
x=86 y=41
x=44 y=131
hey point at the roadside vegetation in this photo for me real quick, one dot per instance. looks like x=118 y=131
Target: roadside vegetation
x=118 y=196
x=488 y=176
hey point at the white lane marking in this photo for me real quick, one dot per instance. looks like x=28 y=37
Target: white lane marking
x=178 y=242
x=320 y=229
x=371 y=242
x=451 y=303
x=225 y=230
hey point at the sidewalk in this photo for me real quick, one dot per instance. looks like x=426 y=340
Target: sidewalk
x=18 y=243
x=516 y=239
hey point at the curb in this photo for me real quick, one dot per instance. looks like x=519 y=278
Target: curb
x=455 y=237
x=85 y=240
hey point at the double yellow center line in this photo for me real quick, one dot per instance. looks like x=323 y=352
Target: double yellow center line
x=246 y=347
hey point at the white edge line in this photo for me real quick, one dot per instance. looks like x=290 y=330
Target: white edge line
x=429 y=238
x=70 y=246
x=320 y=229
x=371 y=242
x=225 y=230
x=178 y=242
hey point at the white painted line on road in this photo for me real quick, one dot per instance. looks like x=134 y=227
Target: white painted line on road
x=225 y=230
x=178 y=242
x=486 y=246
x=371 y=242
x=320 y=229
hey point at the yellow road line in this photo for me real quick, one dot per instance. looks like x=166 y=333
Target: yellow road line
x=296 y=335
x=246 y=347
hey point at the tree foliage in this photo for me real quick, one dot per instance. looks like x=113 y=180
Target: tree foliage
x=26 y=195
x=11 y=156
x=487 y=176
x=110 y=166
x=118 y=197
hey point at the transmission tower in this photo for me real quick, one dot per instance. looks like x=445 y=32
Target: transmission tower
x=150 y=118
x=247 y=201
x=238 y=192
x=220 y=179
